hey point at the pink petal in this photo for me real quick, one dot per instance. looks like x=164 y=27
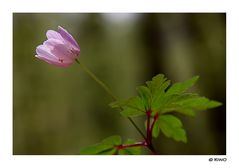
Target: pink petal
x=51 y=34
x=60 y=50
x=67 y=36
x=59 y=64
x=51 y=43
x=44 y=54
x=43 y=51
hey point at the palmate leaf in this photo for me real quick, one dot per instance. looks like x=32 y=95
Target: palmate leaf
x=171 y=127
x=176 y=100
x=173 y=93
x=159 y=97
x=148 y=96
x=173 y=103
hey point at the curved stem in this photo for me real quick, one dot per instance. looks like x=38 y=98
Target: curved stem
x=106 y=88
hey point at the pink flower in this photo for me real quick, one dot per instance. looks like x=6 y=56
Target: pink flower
x=59 y=49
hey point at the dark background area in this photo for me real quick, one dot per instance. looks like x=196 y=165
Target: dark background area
x=60 y=110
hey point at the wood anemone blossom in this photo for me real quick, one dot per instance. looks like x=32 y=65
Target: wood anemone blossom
x=60 y=48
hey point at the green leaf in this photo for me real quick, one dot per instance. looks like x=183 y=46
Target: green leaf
x=133 y=102
x=186 y=103
x=112 y=140
x=145 y=96
x=106 y=147
x=175 y=99
x=199 y=103
x=181 y=87
x=156 y=129
x=171 y=127
x=163 y=102
x=173 y=103
x=157 y=87
x=158 y=83
x=132 y=107
x=129 y=112
x=130 y=150
x=154 y=96
x=179 y=109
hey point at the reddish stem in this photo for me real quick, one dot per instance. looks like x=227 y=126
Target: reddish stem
x=154 y=120
x=150 y=129
x=131 y=145
x=148 y=140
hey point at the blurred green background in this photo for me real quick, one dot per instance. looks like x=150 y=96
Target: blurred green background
x=60 y=110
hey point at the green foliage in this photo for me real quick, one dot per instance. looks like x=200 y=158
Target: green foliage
x=199 y=103
x=158 y=97
x=181 y=87
x=145 y=96
x=131 y=112
x=157 y=86
x=171 y=127
x=134 y=106
x=155 y=97
x=108 y=147
x=187 y=103
x=156 y=129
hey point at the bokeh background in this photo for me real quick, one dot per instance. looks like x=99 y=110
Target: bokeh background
x=60 y=110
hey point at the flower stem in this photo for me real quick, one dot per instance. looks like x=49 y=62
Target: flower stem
x=106 y=88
